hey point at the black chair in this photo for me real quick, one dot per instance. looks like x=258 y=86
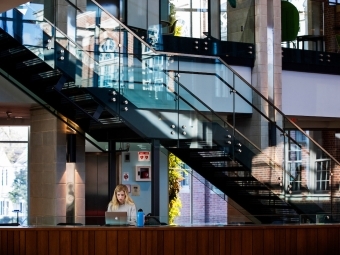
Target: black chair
x=152 y=221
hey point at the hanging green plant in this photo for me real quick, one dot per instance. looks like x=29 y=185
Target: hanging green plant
x=175 y=178
x=172 y=14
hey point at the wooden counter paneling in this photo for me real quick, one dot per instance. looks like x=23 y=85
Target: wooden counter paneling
x=167 y=240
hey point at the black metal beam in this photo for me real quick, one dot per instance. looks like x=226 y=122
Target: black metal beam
x=155 y=175
x=112 y=171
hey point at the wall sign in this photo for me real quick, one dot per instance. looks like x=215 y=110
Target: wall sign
x=135 y=190
x=144 y=156
x=126 y=176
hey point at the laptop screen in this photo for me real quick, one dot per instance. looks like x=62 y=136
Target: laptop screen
x=116 y=218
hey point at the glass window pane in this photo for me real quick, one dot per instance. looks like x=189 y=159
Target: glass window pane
x=13 y=174
x=183 y=23
x=13 y=133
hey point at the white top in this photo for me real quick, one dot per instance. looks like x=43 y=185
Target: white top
x=129 y=208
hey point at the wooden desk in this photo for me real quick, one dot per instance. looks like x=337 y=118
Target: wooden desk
x=310 y=38
x=169 y=240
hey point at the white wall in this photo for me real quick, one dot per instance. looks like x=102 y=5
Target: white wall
x=310 y=94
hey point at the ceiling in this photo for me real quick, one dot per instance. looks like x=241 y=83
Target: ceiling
x=7 y=5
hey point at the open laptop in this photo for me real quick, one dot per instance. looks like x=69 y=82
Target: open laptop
x=116 y=219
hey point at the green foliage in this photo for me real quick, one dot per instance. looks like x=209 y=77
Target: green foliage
x=19 y=186
x=172 y=14
x=289 y=22
x=178 y=31
x=175 y=177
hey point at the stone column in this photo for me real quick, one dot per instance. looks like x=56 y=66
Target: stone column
x=266 y=74
x=47 y=170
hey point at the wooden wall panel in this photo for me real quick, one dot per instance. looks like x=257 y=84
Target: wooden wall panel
x=79 y=240
x=215 y=235
x=74 y=241
x=291 y=235
x=42 y=242
x=22 y=241
x=3 y=241
x=53 y=242
x=65 y=243
x=31 y=242
x=100 y=244
x=247 y=241
x=255 y=240
x=322 y=241
x=180 y=242
x=91 y=243
x=191 y=237
x=258 y=242
x=134 y=242
x=16 y=236
x=123 y=242
x=10 y=242
x=301 y=241
x=151 y=243
x=169 y=242
x=143 y=242
x=236 y=242
x=333 y=241
x=160 y=242
x=312 y=242
x=202 y=242
x=280 y=242
x=224 y=243
x=269 y=241
x=227 y=242
x=111 y=242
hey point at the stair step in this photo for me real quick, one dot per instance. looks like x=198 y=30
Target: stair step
x=13 y=51
x=46 y=75
x=30 y=63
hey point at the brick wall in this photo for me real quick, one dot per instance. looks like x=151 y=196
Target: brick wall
x=207 y=206
x=332 y=26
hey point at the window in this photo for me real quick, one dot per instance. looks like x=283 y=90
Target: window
x=322 y=167
x=186 y=179
x=192 y=17
x=13 y=171
x=2 y=207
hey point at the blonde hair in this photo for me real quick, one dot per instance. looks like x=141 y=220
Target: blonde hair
x=114 y=202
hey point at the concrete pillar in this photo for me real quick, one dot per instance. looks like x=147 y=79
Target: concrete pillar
x=266 y=74
x=47 y=171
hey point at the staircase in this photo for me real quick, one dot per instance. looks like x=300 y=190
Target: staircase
x=145 y=97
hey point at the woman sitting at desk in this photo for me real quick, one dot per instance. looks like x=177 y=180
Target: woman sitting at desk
x=122 y=202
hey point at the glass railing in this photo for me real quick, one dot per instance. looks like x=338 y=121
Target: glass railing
x=197 y=102
x=161 y=221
